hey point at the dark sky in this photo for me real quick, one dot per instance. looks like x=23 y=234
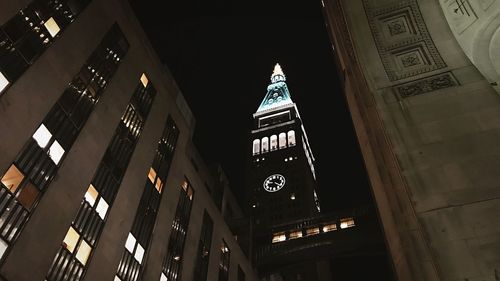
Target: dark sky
x=222 y=54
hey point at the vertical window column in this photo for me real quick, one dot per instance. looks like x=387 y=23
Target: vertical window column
x=203 y=254
x=37 y=163
x=138 y=239
x=25 y=36
x=224 y=262
x=172 y=264
x=81 y=239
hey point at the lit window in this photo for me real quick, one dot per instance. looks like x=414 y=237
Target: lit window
x=83 y=252
x=144 y=80
x=152 y=175
x=42 y=136
x=329 y=227
x=163 y=277
x=71 y=240
x=117 y=278
x=3 y=82
x=346 y=223
x=28 y=195
x=52 y=27
x=282 y=140
x=291 y=138
x=56 y=152
x=312 y=231
x=139 y=253
x=256 y=147
x=91 y=195
x=265 y=144
x=279 y=237
x=102 y=208
x=129 y=245
x=274 y=142
x=296 y=234
x=185 y=185
x=13 y=178
x=159 y=185
x=3 y=247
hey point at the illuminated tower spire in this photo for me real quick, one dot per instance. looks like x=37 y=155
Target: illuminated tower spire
x=277 y=92
x=278 y=74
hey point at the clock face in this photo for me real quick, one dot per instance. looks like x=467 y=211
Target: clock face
x=274 y=183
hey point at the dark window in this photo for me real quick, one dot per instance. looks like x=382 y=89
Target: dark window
x=172 y=265
x=71 y=261
x=224 y=262
x=203 y=254
x=37 y=163
x=25 y=36
x=133 y=258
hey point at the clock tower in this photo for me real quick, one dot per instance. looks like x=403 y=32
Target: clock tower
x=281 y=176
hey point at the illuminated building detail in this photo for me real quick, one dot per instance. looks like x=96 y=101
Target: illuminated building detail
x=346 y=223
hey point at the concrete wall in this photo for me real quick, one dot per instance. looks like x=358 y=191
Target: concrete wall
x=28 y=100
x=428 y=127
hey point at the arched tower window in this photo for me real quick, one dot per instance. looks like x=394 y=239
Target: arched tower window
x=265 y=144
x=282 y=140
x=291 y=138
x=256 y=146
x=274 y=142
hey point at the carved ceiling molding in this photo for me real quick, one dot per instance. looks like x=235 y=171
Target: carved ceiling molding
x=402 y=39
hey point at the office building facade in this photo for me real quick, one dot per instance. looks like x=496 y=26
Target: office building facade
x=98 y=180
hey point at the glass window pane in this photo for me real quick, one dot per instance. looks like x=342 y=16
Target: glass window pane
x=52 y=27
x=102 y=208
x=71 y=240
x=91 y=195
x=83 y=252
x=42 y=136
x=129 y=245
x=117 y=279
x=3 y=248
x=163 y=277
x=346 y=223
x=3 y=82
x=329 y=227
x=159 y=185
x=152 y=175
x=144 y=80
x=28 y=195
x=139 y=253
x=12 y=178
x=56 y=152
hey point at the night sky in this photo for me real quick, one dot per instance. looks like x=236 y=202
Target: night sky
x=222 y=54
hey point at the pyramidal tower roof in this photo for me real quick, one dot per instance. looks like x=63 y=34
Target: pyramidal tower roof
x=277 y=92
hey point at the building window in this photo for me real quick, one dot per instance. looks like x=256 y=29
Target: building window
x=203 y=254
x=312 y=231
x=291 y=138
x=330 y=227
x=224 y=262
x=265 y=144
x=172 y=265
x=12 y=178
x=346 y=223
x=3 y=82
x=295 y=234
x=274 y=142
x=256 y=147
x=279 y=237
x=26 y=35
x=137 y=244
x=100 y=195
x=282 y=140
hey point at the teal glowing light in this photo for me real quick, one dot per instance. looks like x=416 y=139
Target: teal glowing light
x=277 y=92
